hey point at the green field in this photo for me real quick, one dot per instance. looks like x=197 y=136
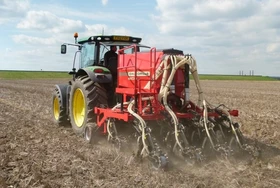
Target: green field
x=235 y=77
x=32 y=75
x=53 y=75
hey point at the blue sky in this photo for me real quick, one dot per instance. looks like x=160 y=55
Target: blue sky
x=225 y=36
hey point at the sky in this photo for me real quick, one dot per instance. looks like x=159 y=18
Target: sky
x=224 y=36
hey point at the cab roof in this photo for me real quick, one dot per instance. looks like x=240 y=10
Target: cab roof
x=111 y=39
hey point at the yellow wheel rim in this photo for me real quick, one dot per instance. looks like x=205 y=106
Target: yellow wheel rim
x=78 y=107
x=56 y=108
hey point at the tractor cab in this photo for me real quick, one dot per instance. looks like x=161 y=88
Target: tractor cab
x=93 y=49
x=93 y=64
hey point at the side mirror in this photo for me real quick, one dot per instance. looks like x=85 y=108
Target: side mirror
x=63 y=48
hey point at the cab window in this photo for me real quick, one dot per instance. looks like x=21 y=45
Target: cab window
x=87 y=55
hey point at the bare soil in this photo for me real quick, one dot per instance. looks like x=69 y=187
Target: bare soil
x=34 y=152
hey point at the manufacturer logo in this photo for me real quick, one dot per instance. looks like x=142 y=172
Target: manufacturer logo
x=139 y=73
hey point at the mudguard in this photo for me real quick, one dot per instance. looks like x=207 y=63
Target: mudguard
x=104 y=77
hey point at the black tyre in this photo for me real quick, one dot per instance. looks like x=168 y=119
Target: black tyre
x=91 y=133
x=84 y=96
x=59 y=112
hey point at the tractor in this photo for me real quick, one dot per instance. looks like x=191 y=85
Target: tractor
x=147 y=88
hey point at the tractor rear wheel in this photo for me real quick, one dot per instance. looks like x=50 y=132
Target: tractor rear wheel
x=84 y=96
x=59 y=112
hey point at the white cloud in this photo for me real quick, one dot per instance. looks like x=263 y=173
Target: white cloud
x=3 y=20
x=24 y=39
x=12 y=9
x=225 y=36
x=216 y=16
x=97 y=29
x=46 y=21
x=273 y=47
x=43 y=57
x=96 y=13
x=225 y=9
x=243 y=33
x=104 y=2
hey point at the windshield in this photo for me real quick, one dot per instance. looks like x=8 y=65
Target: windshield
x=105 y=48
x=88 y=50
x=87 y=55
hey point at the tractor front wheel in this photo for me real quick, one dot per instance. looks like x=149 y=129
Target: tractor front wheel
x=59 y=112
x=84 y=96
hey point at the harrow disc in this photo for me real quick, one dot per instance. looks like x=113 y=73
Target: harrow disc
x=159 y=162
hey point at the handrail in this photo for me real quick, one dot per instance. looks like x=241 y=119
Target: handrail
x=121 y=51
x=152 y=66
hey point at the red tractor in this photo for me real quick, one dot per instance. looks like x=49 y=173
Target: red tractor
x=142 y=85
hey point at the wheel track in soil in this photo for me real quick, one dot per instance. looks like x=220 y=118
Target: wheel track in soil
x=34 y=152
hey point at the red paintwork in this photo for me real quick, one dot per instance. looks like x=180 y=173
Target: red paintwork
x=133 y=86
x=131 y=64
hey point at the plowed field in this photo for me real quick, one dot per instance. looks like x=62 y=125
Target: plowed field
x=34 y=152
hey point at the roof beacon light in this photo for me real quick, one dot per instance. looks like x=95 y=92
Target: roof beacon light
x=75 y=36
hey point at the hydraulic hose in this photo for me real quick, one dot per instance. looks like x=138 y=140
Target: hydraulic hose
x=232 y=127
x=141 y=121
x=205 y=121
x=164 y=77
x=164 y=93
x=165 y=87
x=177 y=62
